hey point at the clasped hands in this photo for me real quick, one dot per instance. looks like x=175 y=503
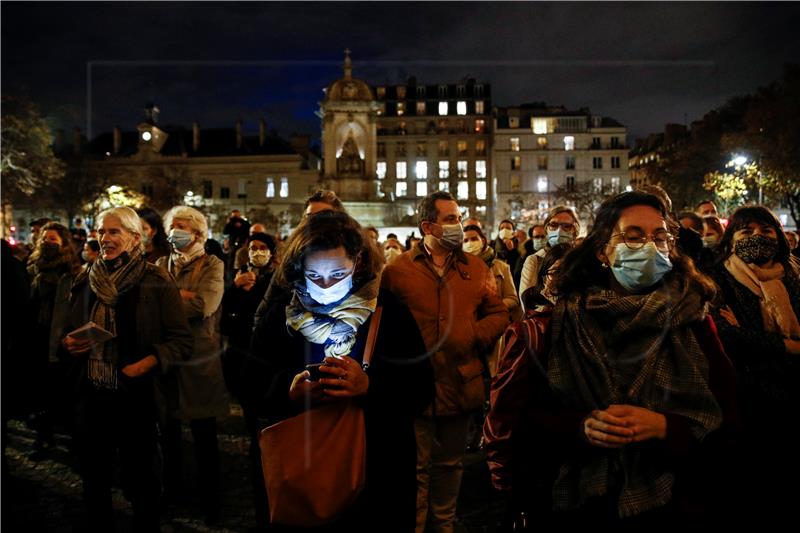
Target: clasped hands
x=620 y=425
x=78 y=347
x=346 y=380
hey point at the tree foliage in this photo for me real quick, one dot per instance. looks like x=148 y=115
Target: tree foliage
x=27 y=160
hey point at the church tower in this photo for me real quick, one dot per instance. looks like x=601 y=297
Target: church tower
x=349 y=137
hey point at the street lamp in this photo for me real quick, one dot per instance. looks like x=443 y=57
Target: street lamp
x=739 y=160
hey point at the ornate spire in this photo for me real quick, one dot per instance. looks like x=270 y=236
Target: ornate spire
x=348 y=65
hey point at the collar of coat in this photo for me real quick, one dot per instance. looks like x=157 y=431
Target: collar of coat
x=419 y=253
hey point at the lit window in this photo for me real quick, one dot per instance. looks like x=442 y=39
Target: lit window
x=401 y=92
x=422 y=188
x=615 y=184
x=401 y=188
x=463 y=190
x=480 y=190
x=444 y=148
x=480 y=147
x=270 y=188
x=444 y=186
x=444 y=169
x=515 y=182
x=381 y=170
x=284 y=187
x=569 y=142
x=401 y=108
x=540 y=125
x=462 y=147
x=542 y=184
x=442 y=108
x=597 y=185
x=420 y=108
x=480 y=169
x=381 y=92
x=479 y=107
x=421 y=170
x=401 y=168
x=480 y=211
x=382 y=109
x=542 y=142
x=461 y=169
x=513 y=122
x=516 y=162
x=461 y=108
x=515 y=144
x=542 y=162
x=480 y=124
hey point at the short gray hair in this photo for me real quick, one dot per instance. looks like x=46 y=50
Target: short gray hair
x=128 y=219
x=197 y=220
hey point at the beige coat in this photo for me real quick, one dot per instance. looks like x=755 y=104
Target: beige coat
x=196 y=389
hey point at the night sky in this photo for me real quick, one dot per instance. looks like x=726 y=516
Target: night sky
x=644 y=64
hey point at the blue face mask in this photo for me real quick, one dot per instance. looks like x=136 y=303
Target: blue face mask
x=538 y=243
x=559 y=236
x=179 y=239
x=639 y=269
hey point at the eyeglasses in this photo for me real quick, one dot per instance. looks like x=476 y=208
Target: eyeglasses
x=634 y=240
x=566 y=226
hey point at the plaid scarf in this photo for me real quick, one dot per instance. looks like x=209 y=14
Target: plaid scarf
x=333 y=325
x=109 y=282
x=637 y=350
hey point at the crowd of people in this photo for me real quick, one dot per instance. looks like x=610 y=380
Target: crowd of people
x=638 y=375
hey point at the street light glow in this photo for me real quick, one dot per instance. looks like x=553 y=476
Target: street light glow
x=146 y=136
x=739 y=160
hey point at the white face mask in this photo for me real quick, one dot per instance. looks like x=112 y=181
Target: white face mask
x=506 y=234
x=259 y=258
x=334 y=293
x=472 y=247
x=390 y=253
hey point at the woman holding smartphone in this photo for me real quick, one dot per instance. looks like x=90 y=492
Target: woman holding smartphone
x=332 y=276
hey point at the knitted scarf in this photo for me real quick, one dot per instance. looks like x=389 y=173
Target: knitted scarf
x=334 y=325
x=178 y=260
x=767 y=284
x=637 y=350
x=109 y=282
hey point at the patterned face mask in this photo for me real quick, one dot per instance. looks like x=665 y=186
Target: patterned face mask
x=757 y=249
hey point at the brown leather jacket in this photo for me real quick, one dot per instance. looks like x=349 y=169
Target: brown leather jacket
x=460 y=317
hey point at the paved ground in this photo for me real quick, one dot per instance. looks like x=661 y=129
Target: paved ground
x=45 y=495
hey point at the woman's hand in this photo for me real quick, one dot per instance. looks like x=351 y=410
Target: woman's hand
x=301 y=388
x=605 y=430
x=245 y=280
x=646 y=424
x=348 y=379
x=730 y=318
x=77 y=347
x=141 y=367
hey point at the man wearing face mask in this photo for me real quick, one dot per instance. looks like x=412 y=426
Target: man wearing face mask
x=561 y=227
x=392 y=249
x=453 y=299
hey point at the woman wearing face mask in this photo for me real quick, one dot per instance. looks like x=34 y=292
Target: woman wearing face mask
x=195 y=392
x=51 y=269
x=562 y=227
x=238 y=308
x=140 y=304
x=632 y=387
x=757 y=314
x=712 y=234
x=506 y=244
x=154 y=237
x=392 y=249
x=332 y=278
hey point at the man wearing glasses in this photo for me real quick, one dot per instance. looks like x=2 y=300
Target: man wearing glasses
x=562 y=226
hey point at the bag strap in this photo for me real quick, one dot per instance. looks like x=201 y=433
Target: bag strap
x=372 y=336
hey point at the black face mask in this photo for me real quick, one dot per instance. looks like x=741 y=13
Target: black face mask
x=756 y=249
x=117 y=262
x=50 y=250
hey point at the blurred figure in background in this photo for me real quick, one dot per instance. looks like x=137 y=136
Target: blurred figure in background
x=91 y=251
x=154 y=237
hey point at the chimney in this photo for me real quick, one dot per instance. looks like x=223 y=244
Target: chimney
x=195 y=136
x=300 y=143
x=262 y=132
x=238 y=134
x=76 y=140
x=117 y=139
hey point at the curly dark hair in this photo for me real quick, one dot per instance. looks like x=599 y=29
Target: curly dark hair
x=69 y=255
x=582 y=269
x=741 y=218
x=323 y=231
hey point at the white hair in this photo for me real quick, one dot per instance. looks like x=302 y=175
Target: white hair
x=196 y=219
x=128 y=219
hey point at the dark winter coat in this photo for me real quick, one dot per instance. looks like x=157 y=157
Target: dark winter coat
x=400 y=388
